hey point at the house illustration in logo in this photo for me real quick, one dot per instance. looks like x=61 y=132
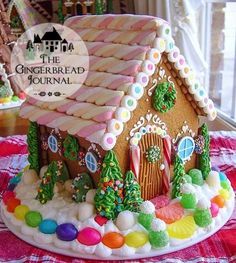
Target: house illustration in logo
x=50 y=42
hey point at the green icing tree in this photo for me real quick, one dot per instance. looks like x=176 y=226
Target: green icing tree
x=33 y=146
x=99 y=7
x=132 y=194
x=71 y=148
x=109 y=195
x=5 y=89
x=81 y=184
x=60 y=12
x=178 y=176
x=204 y=158
x=56 y=172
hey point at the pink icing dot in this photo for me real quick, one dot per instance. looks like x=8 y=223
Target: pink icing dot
x=181 y=61
x=210 y=106
x=144 y=79
x=109 y=140
x=150 y=66
x=205 y=100
x=175 y=54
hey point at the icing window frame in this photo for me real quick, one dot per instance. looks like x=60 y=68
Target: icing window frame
x=184 y=150
x=52 y=143
x=91 y=162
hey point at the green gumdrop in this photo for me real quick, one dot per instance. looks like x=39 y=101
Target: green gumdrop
x=188 y=201
x=14 y=98
x=158 y=239
x=202 y=218
x=196 y=176
x=187 y=179
x=225 y=184
x=33 y=218
x=145 y=220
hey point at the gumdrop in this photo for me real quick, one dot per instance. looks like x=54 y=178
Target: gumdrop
x=145 y=220
x=196 y=176
x=202 y=218
x=188 y=201
x=158 y=239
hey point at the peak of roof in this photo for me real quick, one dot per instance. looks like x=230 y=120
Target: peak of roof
x=37 y=39
x=51 y=35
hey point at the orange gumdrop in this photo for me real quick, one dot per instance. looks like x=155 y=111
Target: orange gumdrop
x=12 y=203
x=219 y=200
x=113 y=240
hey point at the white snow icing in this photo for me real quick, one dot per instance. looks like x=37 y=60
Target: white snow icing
x=158 y=225
x=203 y=203
x=103 y=251
x=147 y=207
x=187 y=189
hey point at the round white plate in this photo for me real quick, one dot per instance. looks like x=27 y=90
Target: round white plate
x=152 y=253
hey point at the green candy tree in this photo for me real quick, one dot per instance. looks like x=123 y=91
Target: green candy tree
x=178 y=176
x=33 y=146
x=71 y=148
x=60 y=12
x=132 y=193
x=56 y=172
x=5 y=88
x=204 y=158
x=81 y=185
x=109 y=195
x=99 y=7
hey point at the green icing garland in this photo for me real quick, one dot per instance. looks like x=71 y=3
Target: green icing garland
x=33 y=146
x=81 y=184
x=132 y=194
x=153 y=154
x=56 y=172
x=178 y=176
x=164 y=96
x=204 y=158
x=71 y=148
x=109 y=195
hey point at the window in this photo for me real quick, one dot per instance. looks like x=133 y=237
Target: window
x=91 y=162
x=219 y=48
x=186 y=147
x=52 y=143
x=46 y=42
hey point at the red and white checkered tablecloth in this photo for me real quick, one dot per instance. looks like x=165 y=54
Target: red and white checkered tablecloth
x=221 y=247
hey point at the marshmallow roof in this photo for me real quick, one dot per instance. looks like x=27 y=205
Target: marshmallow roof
x=123 y=51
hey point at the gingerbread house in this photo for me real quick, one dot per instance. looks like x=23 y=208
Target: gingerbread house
x=140 y=99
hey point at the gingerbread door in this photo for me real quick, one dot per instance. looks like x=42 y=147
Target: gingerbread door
x=151 y=158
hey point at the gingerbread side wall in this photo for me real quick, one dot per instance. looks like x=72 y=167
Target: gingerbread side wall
x=184 y=110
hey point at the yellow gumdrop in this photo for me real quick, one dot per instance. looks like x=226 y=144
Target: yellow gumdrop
x=136 y=239
x=183 y=228
x=21 y=211
x=224 y=193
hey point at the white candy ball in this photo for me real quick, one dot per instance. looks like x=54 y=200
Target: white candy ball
x=158 y=225
x=85 y=211
x=125 y=220
x=203 y=204
x=29 y=177
x=147 y=207
x=90 y=196
x=213 y=179
x=43 y=170
x=187 y=189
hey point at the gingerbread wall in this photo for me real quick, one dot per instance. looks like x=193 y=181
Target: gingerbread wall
x=185 y=109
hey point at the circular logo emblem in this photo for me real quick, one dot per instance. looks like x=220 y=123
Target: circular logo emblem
x=50 y=62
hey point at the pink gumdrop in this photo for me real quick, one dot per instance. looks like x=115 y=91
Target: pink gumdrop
x=160 y=201
x=214 y=209
x=7 y=195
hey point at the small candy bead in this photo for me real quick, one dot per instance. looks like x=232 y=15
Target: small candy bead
x=142 y=78
x=108 y=141
x=66 y=232
x=136 y=91
x=15 y=180
x=154 y=55
x=129 y=103
x=11 y=187
x=33 y=218
x=113 y=240
x=224 y=193
x=116 y=127
x=219 y=200
x=12 y=203
x=160 y=44
x=148 y=67
x=214 y=209
x=48 y=226
x=136 y=239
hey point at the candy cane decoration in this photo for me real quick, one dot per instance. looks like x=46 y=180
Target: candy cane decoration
x=135 y=159
x=167 y=161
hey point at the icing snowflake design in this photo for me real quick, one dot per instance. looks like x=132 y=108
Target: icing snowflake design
x=153 y=154
x=184 y=129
